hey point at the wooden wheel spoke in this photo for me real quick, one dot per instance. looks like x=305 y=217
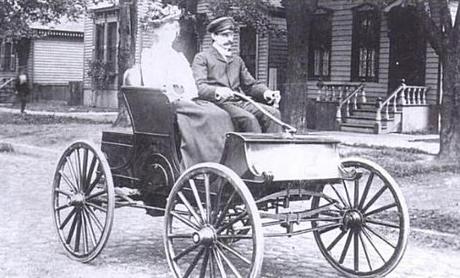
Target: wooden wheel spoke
x=68 y=205
x=224 y=210
x=198 y=200
x=365 y=250
x=190 y=208
x=185 y=252
x=356 y=194
x=219 y=263
x=366 y=190
x=96 y=206
x=66 y=220
x=379 y=236
x=345 y=248
x=78 y=168
x=94 y=195
x=208 y=197
x=94 y=160
x=186 y=235
x=231 y=222
x=383 y=208
x=336 y=240
x=356 y=251
x=90 y=226
x=204 y=263
x=376 y=196
x=72 y=229
x=84 y=233
x=68 y=181
x=229 y=263
x=194 y=263
x=94 y=183
x=373 y=245
x=234 y=252
x=327 y=228
x=94 y=217
x=85 y=169
x=339 y=196
x=185 y=221
x=78 y=233
x=347 y=194
x=382 y=223
x=72 y=171
x=63 y=192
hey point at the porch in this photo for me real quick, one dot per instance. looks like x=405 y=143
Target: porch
x=346 y=107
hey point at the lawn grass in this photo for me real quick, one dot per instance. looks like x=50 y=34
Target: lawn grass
x=400 y=162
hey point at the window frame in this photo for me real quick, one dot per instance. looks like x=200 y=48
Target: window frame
x=7 y=62
x=327 y=15
x=102 y=20
x=368 y=41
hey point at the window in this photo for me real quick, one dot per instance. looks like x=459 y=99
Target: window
x=319 y=53
x=106 y=43
x=7 y=55
x=365 y=44
x=248 y=48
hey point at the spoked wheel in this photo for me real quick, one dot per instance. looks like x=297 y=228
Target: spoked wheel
x=212 y=225
x=83 y=201
x=366 y=232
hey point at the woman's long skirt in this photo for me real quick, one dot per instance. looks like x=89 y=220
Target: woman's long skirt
x=202 y=126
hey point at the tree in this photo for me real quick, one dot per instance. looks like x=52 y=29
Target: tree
x=298 y=19
x=16 y=17
x=444 y=36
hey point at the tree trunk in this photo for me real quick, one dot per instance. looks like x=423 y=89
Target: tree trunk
x=126 y=51
x=450 y=107
x=298 y=17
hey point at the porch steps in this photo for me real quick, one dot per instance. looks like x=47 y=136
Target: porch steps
x=363 y=120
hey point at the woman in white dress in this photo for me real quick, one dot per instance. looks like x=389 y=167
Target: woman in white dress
x=202 y=125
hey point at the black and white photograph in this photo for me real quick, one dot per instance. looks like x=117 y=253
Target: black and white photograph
x=230 y=138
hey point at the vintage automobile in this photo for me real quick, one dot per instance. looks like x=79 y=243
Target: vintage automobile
x=216 y=215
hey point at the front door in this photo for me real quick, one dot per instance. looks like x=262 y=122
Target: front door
x=407 y=48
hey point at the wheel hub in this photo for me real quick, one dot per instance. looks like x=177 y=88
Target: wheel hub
x=77 y=200
x=353 y=219
x=205 y=236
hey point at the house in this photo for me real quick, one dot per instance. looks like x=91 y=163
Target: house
x=52 y=58
x=359 y=54
x=265 y=55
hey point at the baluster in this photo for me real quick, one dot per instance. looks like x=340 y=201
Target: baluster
x=340 y=95
x=355 y=102
x=402 y=96
x=348 y=108
x=395 y=98
x=363 y=95
x=413 y=96
x=333 y=93
x=424 y=90
x=387 y=114
x=417 y=96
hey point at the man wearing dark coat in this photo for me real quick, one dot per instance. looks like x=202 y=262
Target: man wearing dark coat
x=219 y=73
x=22 y=89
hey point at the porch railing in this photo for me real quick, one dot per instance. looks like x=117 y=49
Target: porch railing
x=7 y=82
x=336 y=91
x=351 y=101
x=404 y=95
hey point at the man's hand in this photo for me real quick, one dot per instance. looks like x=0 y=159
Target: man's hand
x=223 y=93
x=272 y=97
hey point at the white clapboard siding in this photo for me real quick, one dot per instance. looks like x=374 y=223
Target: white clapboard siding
x=57 y=61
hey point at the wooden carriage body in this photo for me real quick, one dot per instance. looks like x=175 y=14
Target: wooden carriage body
x=256 y=158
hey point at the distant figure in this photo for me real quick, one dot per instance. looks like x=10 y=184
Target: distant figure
x=219 y=73
x=22 y=89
